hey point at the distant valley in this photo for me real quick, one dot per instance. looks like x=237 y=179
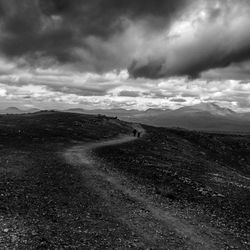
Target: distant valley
x=203 y=117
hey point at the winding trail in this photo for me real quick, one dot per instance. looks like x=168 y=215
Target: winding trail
x=157 y=226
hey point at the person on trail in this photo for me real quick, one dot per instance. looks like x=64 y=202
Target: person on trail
x=134 y=132
x=138 y=134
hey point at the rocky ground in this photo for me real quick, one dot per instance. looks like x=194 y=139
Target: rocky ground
x=206 y=176
x=61 y=187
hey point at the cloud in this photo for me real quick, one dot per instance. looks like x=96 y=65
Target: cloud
x=152 y=40
x=129 y=93
x=178 y=100
x=126 y=53
x=213 y=35
x=237 y=71
x=2 y=92
x=42 y=89
x=60 y=29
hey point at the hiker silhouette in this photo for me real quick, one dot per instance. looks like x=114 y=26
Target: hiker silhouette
x=134 y=132
x=138 y=134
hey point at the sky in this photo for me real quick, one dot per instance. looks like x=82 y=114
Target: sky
x=132 y=54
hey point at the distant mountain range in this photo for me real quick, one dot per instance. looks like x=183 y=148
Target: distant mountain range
x=211 y=108
x=14 y=110
x=203 y=116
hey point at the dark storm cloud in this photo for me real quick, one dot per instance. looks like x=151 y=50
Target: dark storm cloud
x=219 y=37
x=102 y=17
x=151 y=69
x=54 y=28
x=202 y=62
x=127 y=93
x=152 y=39
x=237 y=71
x=178 y=100
x=83 y=91
x=26 y=32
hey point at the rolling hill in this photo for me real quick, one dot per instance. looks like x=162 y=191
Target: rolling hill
x=77 y=181
x=15 y=110
x=203 y=117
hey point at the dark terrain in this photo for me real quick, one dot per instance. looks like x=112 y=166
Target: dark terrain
x=203 y=117
x=62 y=187
x=207 y=175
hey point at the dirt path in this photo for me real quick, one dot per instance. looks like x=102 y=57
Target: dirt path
x=158 y=227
